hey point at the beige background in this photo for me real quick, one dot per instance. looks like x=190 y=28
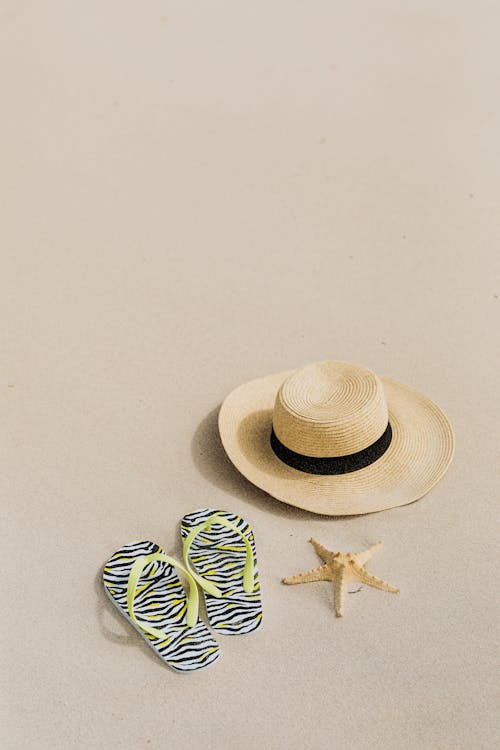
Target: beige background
x=193 y=195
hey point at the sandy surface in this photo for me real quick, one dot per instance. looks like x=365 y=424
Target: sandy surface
x=192 y=196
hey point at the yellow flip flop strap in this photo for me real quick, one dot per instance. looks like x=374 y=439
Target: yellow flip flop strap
x=248 y=570
x=133 y=580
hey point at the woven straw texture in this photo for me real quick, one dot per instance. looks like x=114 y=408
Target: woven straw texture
x=330 y=409
x=419 y=454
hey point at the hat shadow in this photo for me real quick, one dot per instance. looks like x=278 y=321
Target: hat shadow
x=212 y=462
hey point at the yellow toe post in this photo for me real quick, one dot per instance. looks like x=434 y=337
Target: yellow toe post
x=248 y=570
x=133 y=581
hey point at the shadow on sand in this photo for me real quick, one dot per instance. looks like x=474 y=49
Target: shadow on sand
x=212 y=462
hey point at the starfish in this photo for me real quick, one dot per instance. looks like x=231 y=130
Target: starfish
x=339 y=566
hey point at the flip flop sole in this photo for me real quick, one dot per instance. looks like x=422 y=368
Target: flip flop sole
x=218 y=555
x=160 y=602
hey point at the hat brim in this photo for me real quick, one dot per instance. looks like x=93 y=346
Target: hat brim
x=420 y=452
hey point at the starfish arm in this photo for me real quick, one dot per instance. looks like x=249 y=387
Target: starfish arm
x=339 y=591
x=317 y=574
x=364 y=556
x=325 y=554
x=371 y=580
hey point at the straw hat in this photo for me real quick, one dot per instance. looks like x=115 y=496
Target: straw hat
x=334 y=438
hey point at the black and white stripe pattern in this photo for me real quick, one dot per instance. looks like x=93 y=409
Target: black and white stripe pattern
x=219 y=556
x=160 y=602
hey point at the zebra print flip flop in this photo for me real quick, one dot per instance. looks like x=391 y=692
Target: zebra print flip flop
x=142 y=583
x=221 y=548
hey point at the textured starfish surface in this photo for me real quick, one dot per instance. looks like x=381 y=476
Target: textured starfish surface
x=340 y=567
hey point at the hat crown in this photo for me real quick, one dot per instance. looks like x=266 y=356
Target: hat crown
x=330 y=409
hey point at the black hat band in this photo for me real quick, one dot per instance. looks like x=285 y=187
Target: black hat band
x=334 y=464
